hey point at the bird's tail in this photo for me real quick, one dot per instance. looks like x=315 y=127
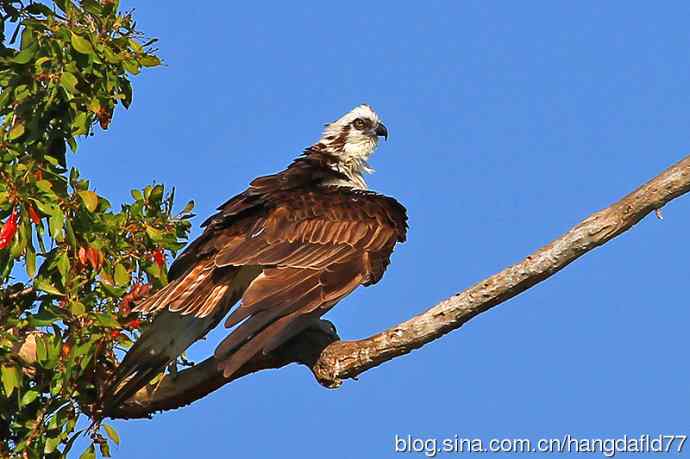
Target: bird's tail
x=187 y=309
x=169 y=335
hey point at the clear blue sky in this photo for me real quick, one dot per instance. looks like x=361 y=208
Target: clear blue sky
x=510 y=122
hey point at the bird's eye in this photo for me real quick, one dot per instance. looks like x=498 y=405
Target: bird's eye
x=359 y=124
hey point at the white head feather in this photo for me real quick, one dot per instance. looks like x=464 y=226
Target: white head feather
x=352 y=144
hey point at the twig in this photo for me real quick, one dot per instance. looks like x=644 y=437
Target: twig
x=20 y=294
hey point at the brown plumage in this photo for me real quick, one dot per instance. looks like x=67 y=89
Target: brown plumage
x=289 y=248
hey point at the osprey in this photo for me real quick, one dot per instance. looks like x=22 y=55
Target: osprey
x=288 y=248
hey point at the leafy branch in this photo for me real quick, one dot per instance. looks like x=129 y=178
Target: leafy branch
x=70 y=264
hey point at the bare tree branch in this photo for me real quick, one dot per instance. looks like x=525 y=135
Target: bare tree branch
x=201 y=379
x=332 y=361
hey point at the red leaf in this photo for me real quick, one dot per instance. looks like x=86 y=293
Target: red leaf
x=34 y=215
x=8 y=230
x=95 y=257
x=159 y=257
x=82 y=256
x=104 y=117
x=125 y=307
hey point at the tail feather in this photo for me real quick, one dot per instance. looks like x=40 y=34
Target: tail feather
x=135 y=379
x=169 y=335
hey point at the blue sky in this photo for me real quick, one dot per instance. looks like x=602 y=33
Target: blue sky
x=510 y=122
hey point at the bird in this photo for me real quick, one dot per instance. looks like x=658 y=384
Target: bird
x=287 y=249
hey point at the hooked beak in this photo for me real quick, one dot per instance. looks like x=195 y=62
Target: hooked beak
x=382 y=131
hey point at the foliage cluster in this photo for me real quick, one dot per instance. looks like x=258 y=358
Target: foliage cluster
x=70 y=264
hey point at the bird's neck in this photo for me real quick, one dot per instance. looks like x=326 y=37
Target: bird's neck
x=353 y=169
x=349 y=169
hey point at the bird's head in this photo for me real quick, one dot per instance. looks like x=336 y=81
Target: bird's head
x=354 y=136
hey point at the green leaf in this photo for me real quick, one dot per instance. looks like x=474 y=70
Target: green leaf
x=27 y=37
x=126 y=88
x=150 y=60
x=152 y=269
x=105 y=449
x=131 y=66
x=77 y=308
x=95 y=105
x=112 y=433
x=69 y=230
x=21 y=92
x=156 y=194
x=37 y=8
x=107 y=320
x=62 y=263
x=81 y=44
x=29 y=396
x=188 y=207
x=26 y=54
x=82 y=349
x=55 y=384
x=89 y=453
x=41 y=349
x=47 y=208
x=30 y=261
x=16 y=131
x=136 y=46
x=69 y=81
x=40 y=61
x=121 y=275
x=46 y=316
x=56 y=221
x=154 y=233
x=51 y=445
x=4 y=98
x=90 y=199
x=72 y=144
x=20 y=239
x=110 y=56
x=52 y=160
x=93 y=7
x=10 y=379
x=44 y=185
x=80 y=124
x=45 y=286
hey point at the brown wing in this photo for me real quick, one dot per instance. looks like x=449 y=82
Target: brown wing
x=315 y=248
x=290 y=255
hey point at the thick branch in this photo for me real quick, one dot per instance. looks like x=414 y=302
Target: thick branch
x=196 y=382
x=347 y=359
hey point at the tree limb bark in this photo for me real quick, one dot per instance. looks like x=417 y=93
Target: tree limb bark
x=332 y=360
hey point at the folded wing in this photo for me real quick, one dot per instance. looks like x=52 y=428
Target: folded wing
x=314 y=250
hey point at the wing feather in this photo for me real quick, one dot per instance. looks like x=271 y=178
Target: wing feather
x=308 y=250
x=278 y=317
